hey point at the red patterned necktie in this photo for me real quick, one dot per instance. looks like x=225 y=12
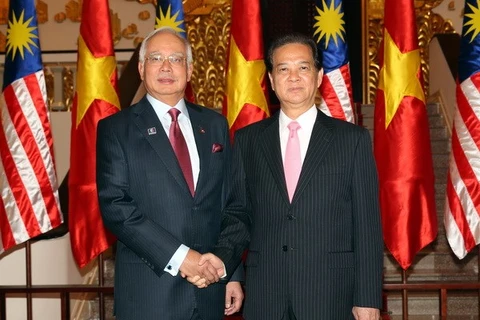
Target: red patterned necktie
x=180 y=147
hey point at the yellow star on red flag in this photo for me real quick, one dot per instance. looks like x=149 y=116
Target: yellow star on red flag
x=93 y=80
x=244 y=83
x=400 y=72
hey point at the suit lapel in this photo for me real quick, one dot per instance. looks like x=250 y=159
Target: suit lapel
x=320 y=141
x=270 y=142
x=204 y=148
x=147 y=122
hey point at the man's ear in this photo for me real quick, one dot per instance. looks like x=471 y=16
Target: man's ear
x=320 y=77
x=141 y=66
x=189 y=70
x=271 y=81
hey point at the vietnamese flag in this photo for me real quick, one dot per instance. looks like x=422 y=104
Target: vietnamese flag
x=245 y=99
x=95 y=98
x=402 y=139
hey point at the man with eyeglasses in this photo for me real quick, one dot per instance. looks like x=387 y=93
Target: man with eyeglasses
x=161 y=169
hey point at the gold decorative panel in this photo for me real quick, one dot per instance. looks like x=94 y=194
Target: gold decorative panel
x=209 y=35
x=3 y=11
x=68 y=90
x=428 y=24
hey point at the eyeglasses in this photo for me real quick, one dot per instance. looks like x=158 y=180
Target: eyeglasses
x=158 y=59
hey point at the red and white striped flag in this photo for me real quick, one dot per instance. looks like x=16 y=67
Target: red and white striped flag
x=30 y=204
x=462 y=208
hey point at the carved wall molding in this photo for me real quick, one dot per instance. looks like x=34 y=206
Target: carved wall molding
x=209 y=36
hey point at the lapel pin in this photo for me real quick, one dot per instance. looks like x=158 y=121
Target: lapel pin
x=151 y=131
x=201 y=130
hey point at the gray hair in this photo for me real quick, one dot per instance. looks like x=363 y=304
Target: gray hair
x=143 y=47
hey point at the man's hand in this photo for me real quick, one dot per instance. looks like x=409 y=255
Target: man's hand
x=360 y=313
x=233 y=298
x=215 y=261
x=200 y=275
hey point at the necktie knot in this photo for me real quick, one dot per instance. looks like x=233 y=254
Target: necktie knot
x=293 y=127
x=174 y=113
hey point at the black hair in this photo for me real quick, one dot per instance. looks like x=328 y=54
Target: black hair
x=292 y=38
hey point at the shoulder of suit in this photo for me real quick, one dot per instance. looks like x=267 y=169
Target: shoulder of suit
x=338 y=124
x=204 y=110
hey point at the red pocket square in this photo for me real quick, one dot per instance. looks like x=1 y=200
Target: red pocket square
x=217 y=147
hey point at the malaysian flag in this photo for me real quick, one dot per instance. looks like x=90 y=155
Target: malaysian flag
x=336 y=87
x=30 y=204
x=462 y=208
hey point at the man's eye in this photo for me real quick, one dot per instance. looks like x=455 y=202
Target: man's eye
x=175 y=59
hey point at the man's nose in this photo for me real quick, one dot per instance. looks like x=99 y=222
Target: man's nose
x=166 y=66
x=293 y=75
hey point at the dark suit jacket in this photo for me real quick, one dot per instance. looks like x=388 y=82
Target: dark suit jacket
x=146 y=203
x=323 y=253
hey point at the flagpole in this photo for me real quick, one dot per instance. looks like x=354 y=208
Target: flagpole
x=365 y=56
x=101 y=282
x=404 y=296
x=28 y=260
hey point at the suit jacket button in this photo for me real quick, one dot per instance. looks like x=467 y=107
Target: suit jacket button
x=290 y=217
x=285 y=248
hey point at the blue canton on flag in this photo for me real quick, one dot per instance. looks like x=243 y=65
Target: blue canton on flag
x=336 y=88
x=170 y=14
x=29 y=203
x=22 y=58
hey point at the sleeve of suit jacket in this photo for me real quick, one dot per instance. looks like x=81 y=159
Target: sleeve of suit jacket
x=367 y=238
x=236 y=219
x=152 y=243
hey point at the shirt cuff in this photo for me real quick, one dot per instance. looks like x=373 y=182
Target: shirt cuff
x=224 y=271
x=177 y=259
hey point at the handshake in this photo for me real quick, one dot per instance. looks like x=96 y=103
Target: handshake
x=202 y=270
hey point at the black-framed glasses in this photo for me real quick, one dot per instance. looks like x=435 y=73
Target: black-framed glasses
x=158 y=59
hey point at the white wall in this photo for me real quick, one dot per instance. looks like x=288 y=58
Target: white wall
x=454 y=15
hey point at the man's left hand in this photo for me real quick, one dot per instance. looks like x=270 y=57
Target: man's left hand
x=360 y=313
x=233 y=298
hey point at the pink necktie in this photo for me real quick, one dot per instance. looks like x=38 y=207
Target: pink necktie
x=181 y=150
x=293 y=161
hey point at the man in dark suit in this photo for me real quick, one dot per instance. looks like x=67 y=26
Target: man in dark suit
x=305 y=197
x=161 y=169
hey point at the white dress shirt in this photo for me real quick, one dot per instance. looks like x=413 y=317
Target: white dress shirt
x=161 y=109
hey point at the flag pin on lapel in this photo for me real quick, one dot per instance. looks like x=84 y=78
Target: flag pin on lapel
x=151 y=131
x=201 y=130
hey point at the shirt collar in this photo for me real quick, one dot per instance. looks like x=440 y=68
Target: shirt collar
x=162 y=108
x=306 y=119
